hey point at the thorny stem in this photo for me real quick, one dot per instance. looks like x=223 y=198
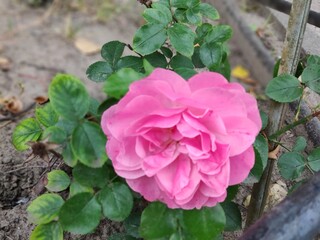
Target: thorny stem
x=293 y=125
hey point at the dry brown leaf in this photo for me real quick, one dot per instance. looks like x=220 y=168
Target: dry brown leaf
x=12 y=104
x=274 y=153
x=5 y=64
x=86 y=47
x=41 y=99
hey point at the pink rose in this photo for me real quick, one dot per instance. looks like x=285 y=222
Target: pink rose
x=182 y=142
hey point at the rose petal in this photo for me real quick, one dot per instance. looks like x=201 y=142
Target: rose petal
x=206 y=80
x=240 y=166
x=175 y=176
x=241 y=133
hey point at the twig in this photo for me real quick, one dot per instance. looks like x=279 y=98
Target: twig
x=293 y=125
x=15 y=116
x=21 y=168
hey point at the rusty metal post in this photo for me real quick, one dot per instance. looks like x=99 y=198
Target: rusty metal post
x=290 y=57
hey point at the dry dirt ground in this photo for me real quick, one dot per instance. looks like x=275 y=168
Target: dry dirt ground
x=39 y=43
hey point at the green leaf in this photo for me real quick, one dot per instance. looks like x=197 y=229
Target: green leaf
x=233 y=216
x=291 y=165
x=91 y=177
x=69 y=97
x=67 y=125
x=28 y=130
x=54 y=134
x=264 y=119
x=130 y=62
x=158 y=14
x=165 y=8
x=50 y=231
x=88 y=144
x=194 y=17
x=211 y=54
x=68 y=155
x=257 y=170
x=93 y=107
x=261 y=145
x=46 y=115
x=180 y=15
x=116 y=201
x=184 y=4
x=149 y=38
x=157 y=221
x=164 y=2
x=80 y=214
x=58 y=181
x=300 y=144
x=99 y=71
x=186 y=73
x=276 y=68
x=76 y=188
x=157 y=59
x=112 y=52
x=311 y=77
x=182 y=38
x=107 y=104
x=314 y=159
x=147 y=67
x=132 y=223
x=166 y=52
x=118 y=83
x=180 y=61
x=44 y=208
x=313 y=59
x=202 y=32
x=232 y=192
x=284 y=88
x=204 y=224
x=196 y=58
x=209 y=11
x=219 y=34
x=224 y=68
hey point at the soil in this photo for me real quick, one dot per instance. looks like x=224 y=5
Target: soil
x=39 y=43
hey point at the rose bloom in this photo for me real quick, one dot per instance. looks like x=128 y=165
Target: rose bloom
x=182 y=142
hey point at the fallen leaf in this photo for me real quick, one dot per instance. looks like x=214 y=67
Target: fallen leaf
x=274 y=153
x=5 y=64
x=242 y=74
x=86 y=47
x=41 y=99
x=12 y=104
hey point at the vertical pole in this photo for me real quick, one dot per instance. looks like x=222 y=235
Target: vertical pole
x=289 y=61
